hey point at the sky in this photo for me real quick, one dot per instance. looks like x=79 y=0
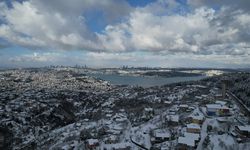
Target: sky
x=113 y=33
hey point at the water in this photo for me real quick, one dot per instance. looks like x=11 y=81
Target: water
x=143 y=81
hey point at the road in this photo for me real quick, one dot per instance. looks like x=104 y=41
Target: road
x=141 y=146
x=240 y=103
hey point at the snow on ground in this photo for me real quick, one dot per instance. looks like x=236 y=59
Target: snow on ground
x=203 y=134
x=222 y=142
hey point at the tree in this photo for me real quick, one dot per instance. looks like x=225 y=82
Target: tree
x=209 y=128
x=101 y=131
x=206 y=141
x=85 y=134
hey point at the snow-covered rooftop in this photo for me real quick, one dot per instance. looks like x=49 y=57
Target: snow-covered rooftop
x=118 y=145
x=192 y=135
x=197 y=117
x=187 y=141
x=174 y=118
x=92 y=141
x=148 y=109
x=162 y=134
x=216 y=106
x=193 y=126
x=244 y=128
x=183 y=106
x=221 y=102
x=167 y=102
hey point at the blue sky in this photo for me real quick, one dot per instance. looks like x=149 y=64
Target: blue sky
x=139 y=3
x=110 y=33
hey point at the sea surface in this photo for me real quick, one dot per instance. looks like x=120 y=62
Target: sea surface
x=143 y=81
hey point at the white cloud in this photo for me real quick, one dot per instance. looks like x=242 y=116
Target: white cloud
x=37 y=57
x=172 y=60
x=14 y=37
x=156 y=28
x=197 y=32
x=151 y=32
x=239 y=4
x=51 y=25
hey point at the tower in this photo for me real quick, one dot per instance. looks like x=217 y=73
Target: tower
x=224 y=84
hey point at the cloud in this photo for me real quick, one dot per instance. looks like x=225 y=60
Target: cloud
x=172 y=60
x=37 y=57
x=198 y=32
x=55 y=24
x=2 y=46
x=240 y=4
x=162 y=27
x=111 y=9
